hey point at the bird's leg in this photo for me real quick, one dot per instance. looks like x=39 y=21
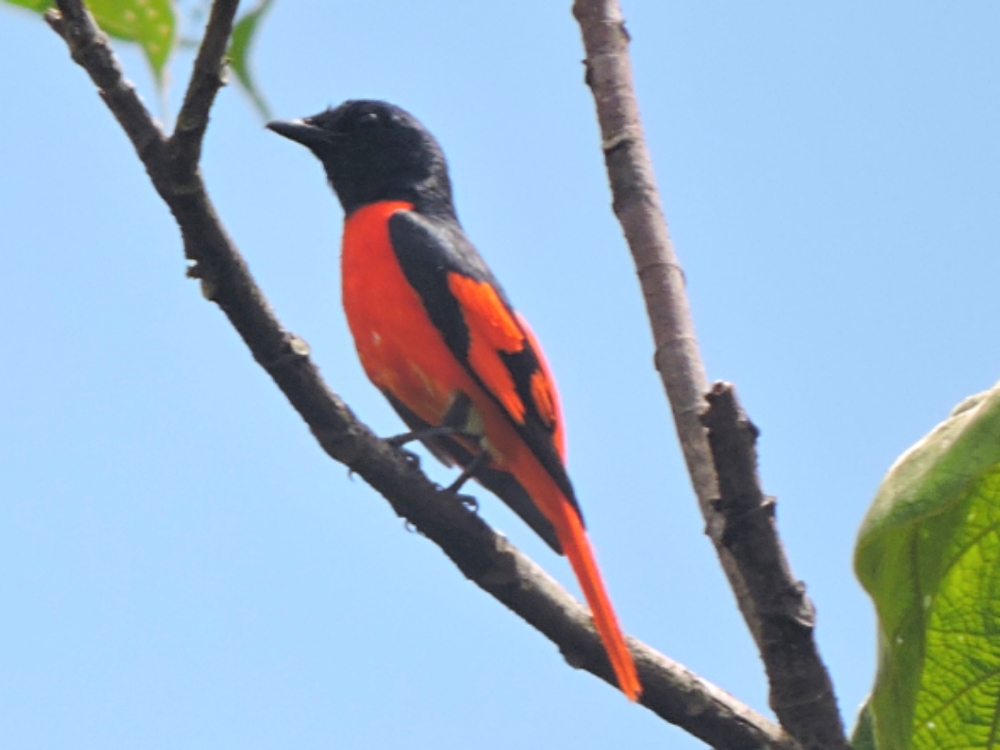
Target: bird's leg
x=453 y=422
x=458 y=420
x=424 y=433
x=469 y=471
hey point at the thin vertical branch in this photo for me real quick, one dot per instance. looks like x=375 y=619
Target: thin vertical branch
x=779 y=615
x=638 y=208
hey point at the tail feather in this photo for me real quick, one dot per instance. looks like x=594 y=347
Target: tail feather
x=581 y=557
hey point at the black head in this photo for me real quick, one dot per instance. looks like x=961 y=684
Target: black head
x=374 y=151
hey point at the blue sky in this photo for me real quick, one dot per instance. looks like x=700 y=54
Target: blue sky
x=182 y=566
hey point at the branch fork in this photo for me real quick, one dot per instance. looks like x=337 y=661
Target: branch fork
x=480 y=553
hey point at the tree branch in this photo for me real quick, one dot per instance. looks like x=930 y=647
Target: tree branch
x=89 y=48
x=636 y=203
x=793 y=666
x=801 y=691
x=207 y=77
x=483 y=555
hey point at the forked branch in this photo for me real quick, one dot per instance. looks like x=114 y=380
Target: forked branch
x=637 y=205
x=483 y=555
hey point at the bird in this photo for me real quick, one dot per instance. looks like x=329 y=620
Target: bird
x=437 y=334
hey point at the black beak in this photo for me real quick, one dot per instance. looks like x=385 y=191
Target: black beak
x=300 y=131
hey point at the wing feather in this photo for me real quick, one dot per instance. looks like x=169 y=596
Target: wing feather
x=482 y=330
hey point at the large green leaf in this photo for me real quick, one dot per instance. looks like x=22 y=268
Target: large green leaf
x=928 y=553
x=150 y=23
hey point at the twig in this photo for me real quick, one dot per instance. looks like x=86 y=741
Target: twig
x=801 y=691
x=638 y=208
x=484 y=556
x=90 y=49
x=207 y=77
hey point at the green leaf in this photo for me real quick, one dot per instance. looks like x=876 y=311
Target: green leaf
x=239 y=55
x=928 y=553
x=863 y=736
x=150 y=23
x=36 y=5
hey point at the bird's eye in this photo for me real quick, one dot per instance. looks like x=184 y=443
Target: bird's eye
x=369 y=118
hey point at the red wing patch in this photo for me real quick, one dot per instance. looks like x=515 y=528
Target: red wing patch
x=541 y=394
x=544 y=392
x=492 y=330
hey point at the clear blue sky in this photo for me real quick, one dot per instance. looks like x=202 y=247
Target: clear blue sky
x=180 y=565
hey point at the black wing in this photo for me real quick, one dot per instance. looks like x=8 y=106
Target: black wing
x=430 y=251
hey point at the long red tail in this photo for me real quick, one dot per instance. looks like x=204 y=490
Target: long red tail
x=577 y=547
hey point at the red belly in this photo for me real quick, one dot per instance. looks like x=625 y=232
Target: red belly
x=397 y=343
